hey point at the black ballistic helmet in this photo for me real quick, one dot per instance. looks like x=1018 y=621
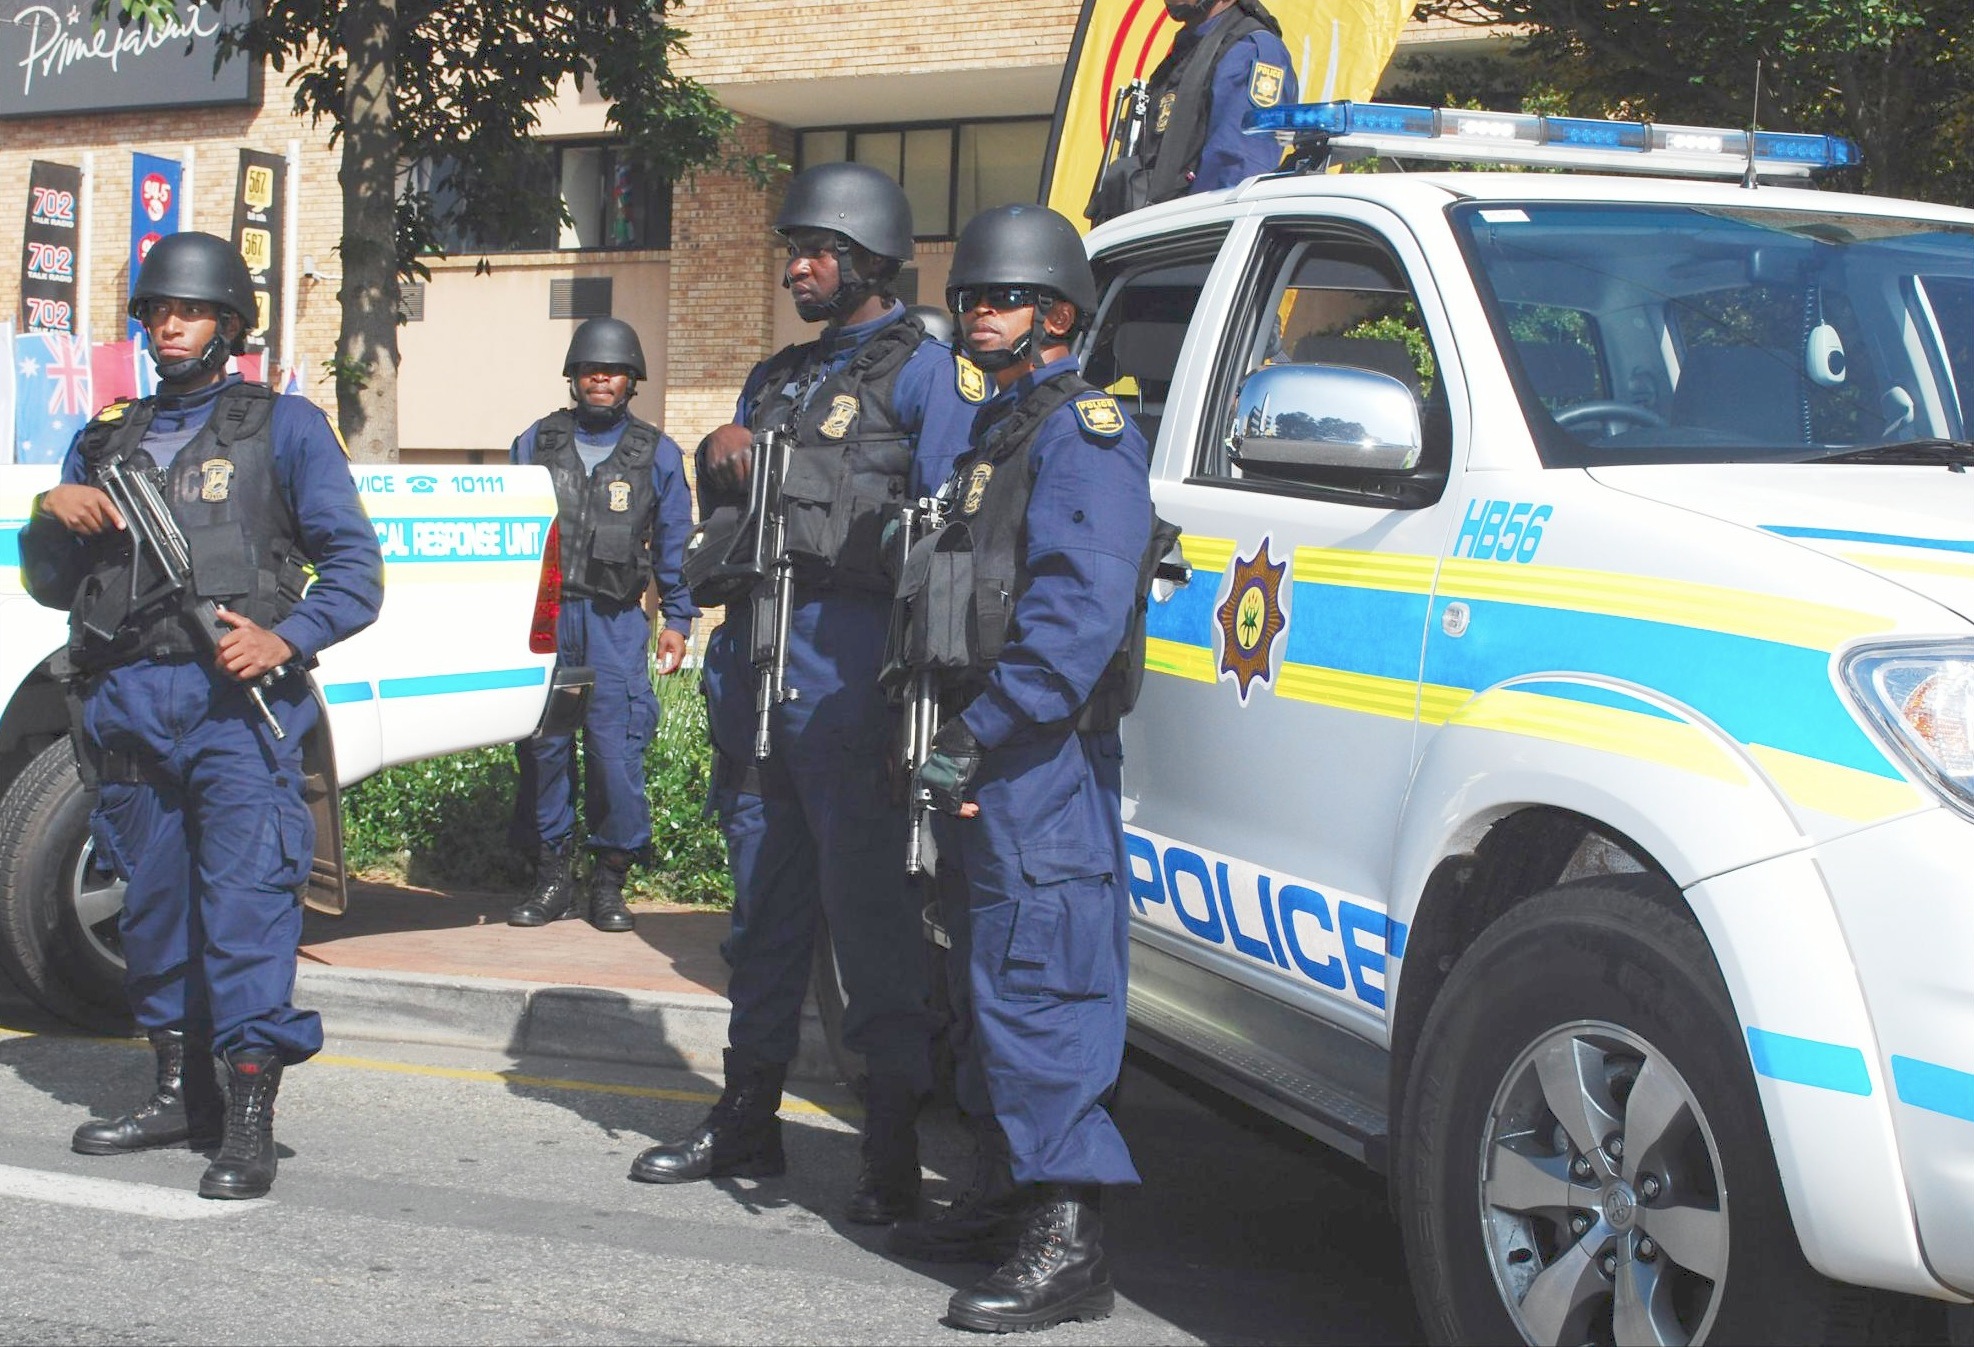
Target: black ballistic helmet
x=937 y=322
x=855 y=200
x=191 y=265
x=1024 y=245
x=604 y=341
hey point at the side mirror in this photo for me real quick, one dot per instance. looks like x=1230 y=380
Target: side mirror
x=1291 y=418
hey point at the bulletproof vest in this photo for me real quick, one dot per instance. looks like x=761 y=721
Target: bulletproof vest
x=850 y=463
x=957 y=596
x=241 y=534
x=1181 y=100
x=606 y=516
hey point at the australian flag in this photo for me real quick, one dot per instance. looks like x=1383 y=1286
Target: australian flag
x=52 y=394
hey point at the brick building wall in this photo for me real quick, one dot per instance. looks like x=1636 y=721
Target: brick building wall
x=725 y=274
x=761 y=41
x=215 y=137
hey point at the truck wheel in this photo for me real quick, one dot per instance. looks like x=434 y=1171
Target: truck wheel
x=58 y=910
x=1583 y=1156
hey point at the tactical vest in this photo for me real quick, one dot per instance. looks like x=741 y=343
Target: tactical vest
x=850 y=463
x=606 y=516
x=1181 y=96
x=223 y=492
x=957 y=597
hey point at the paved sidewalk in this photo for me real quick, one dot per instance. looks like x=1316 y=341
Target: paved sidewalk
x=422 y=966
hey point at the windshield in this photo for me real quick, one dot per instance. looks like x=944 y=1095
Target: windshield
x=1697 y=334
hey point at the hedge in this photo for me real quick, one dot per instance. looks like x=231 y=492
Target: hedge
x=443 y=822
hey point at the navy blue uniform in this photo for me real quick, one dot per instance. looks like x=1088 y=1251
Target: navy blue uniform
x=1040 y=923
x=613 y=639
x=824 y=829
x=1254 y=73
x=215 y=842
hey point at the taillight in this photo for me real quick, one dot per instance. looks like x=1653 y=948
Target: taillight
x=548 y=595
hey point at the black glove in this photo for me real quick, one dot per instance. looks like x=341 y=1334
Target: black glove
x=949 y=771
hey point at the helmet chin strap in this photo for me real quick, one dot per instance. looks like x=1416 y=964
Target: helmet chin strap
x=592 y=417
x=851 y=290
x=1027 y=348
x=212 y=360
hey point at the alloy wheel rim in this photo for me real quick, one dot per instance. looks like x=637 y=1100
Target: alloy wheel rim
x=1602 y=1201
x=96 y=901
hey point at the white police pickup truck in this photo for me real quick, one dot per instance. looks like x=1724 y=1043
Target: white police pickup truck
x=463 y=655
x=1555 y=785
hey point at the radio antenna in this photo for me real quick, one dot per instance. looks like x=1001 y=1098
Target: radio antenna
x=1754 y=122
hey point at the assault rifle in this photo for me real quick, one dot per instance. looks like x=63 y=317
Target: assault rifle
x=1121 y=180
x=917 y=522
x=152 y=530
x=768 y=514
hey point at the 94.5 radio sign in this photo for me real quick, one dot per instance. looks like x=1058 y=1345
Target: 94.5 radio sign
x=48 y=249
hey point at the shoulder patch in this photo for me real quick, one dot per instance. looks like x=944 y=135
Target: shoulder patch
x=1101 y=416
x=114 y=411
x=970 y=379
x=1264 y=85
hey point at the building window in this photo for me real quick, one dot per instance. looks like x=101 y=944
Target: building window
x=611 y=205
x=950 y=171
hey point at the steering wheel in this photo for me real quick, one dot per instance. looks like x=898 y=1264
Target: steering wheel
x=1614 y=414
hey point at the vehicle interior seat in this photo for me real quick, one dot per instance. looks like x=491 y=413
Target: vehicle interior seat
x=1147 y=352
x=1748 y=392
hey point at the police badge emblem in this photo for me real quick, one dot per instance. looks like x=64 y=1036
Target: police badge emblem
x=842 y=411
x=1100 y=416
x=1251 y=619
x=976 y=487
x=1264 y=85
x=1166 y=103
x=215 y=479
x=620 y=496
x=972 y=379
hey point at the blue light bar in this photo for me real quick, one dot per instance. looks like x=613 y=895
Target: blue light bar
x=1346 y=119
x=1563 y=142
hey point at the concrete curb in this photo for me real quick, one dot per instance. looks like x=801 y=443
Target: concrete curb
x=674 y=1030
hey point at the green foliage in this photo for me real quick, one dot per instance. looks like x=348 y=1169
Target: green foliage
x=465 y=82
x=1403 y=327
x=1895 y=75
x=443 y=822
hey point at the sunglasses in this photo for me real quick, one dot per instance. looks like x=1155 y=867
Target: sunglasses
x=1000 y=298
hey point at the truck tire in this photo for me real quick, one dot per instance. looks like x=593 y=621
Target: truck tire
x=1583 y=1156
x=58 y=912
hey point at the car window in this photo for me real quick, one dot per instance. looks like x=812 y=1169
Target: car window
x=1337 y=298
x=1148 y=297
x=1724 y=334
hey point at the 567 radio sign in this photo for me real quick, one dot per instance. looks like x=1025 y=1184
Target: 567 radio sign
x=48 y=249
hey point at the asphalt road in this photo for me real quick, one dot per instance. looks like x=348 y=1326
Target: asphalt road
x=431 y=1195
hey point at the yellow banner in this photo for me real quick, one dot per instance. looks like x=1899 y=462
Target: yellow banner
x=1340 y=49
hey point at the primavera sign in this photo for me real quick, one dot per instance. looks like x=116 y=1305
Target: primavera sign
x=55 y=58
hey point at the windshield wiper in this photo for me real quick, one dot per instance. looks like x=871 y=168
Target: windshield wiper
x=1954 y=454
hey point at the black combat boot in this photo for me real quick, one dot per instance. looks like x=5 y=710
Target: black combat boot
x=887 y=1190
x=606 y=892
x=555 y=891
x=741 y=1136
x=983 y=1224
x=245 y=1164
x=186 y=1110
x=1057 y=1273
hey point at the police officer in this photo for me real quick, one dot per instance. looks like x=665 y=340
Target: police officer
x=623 y=511
x=816 y=831
x=1051 y=506
x=200 y=804
x=1226 y=60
